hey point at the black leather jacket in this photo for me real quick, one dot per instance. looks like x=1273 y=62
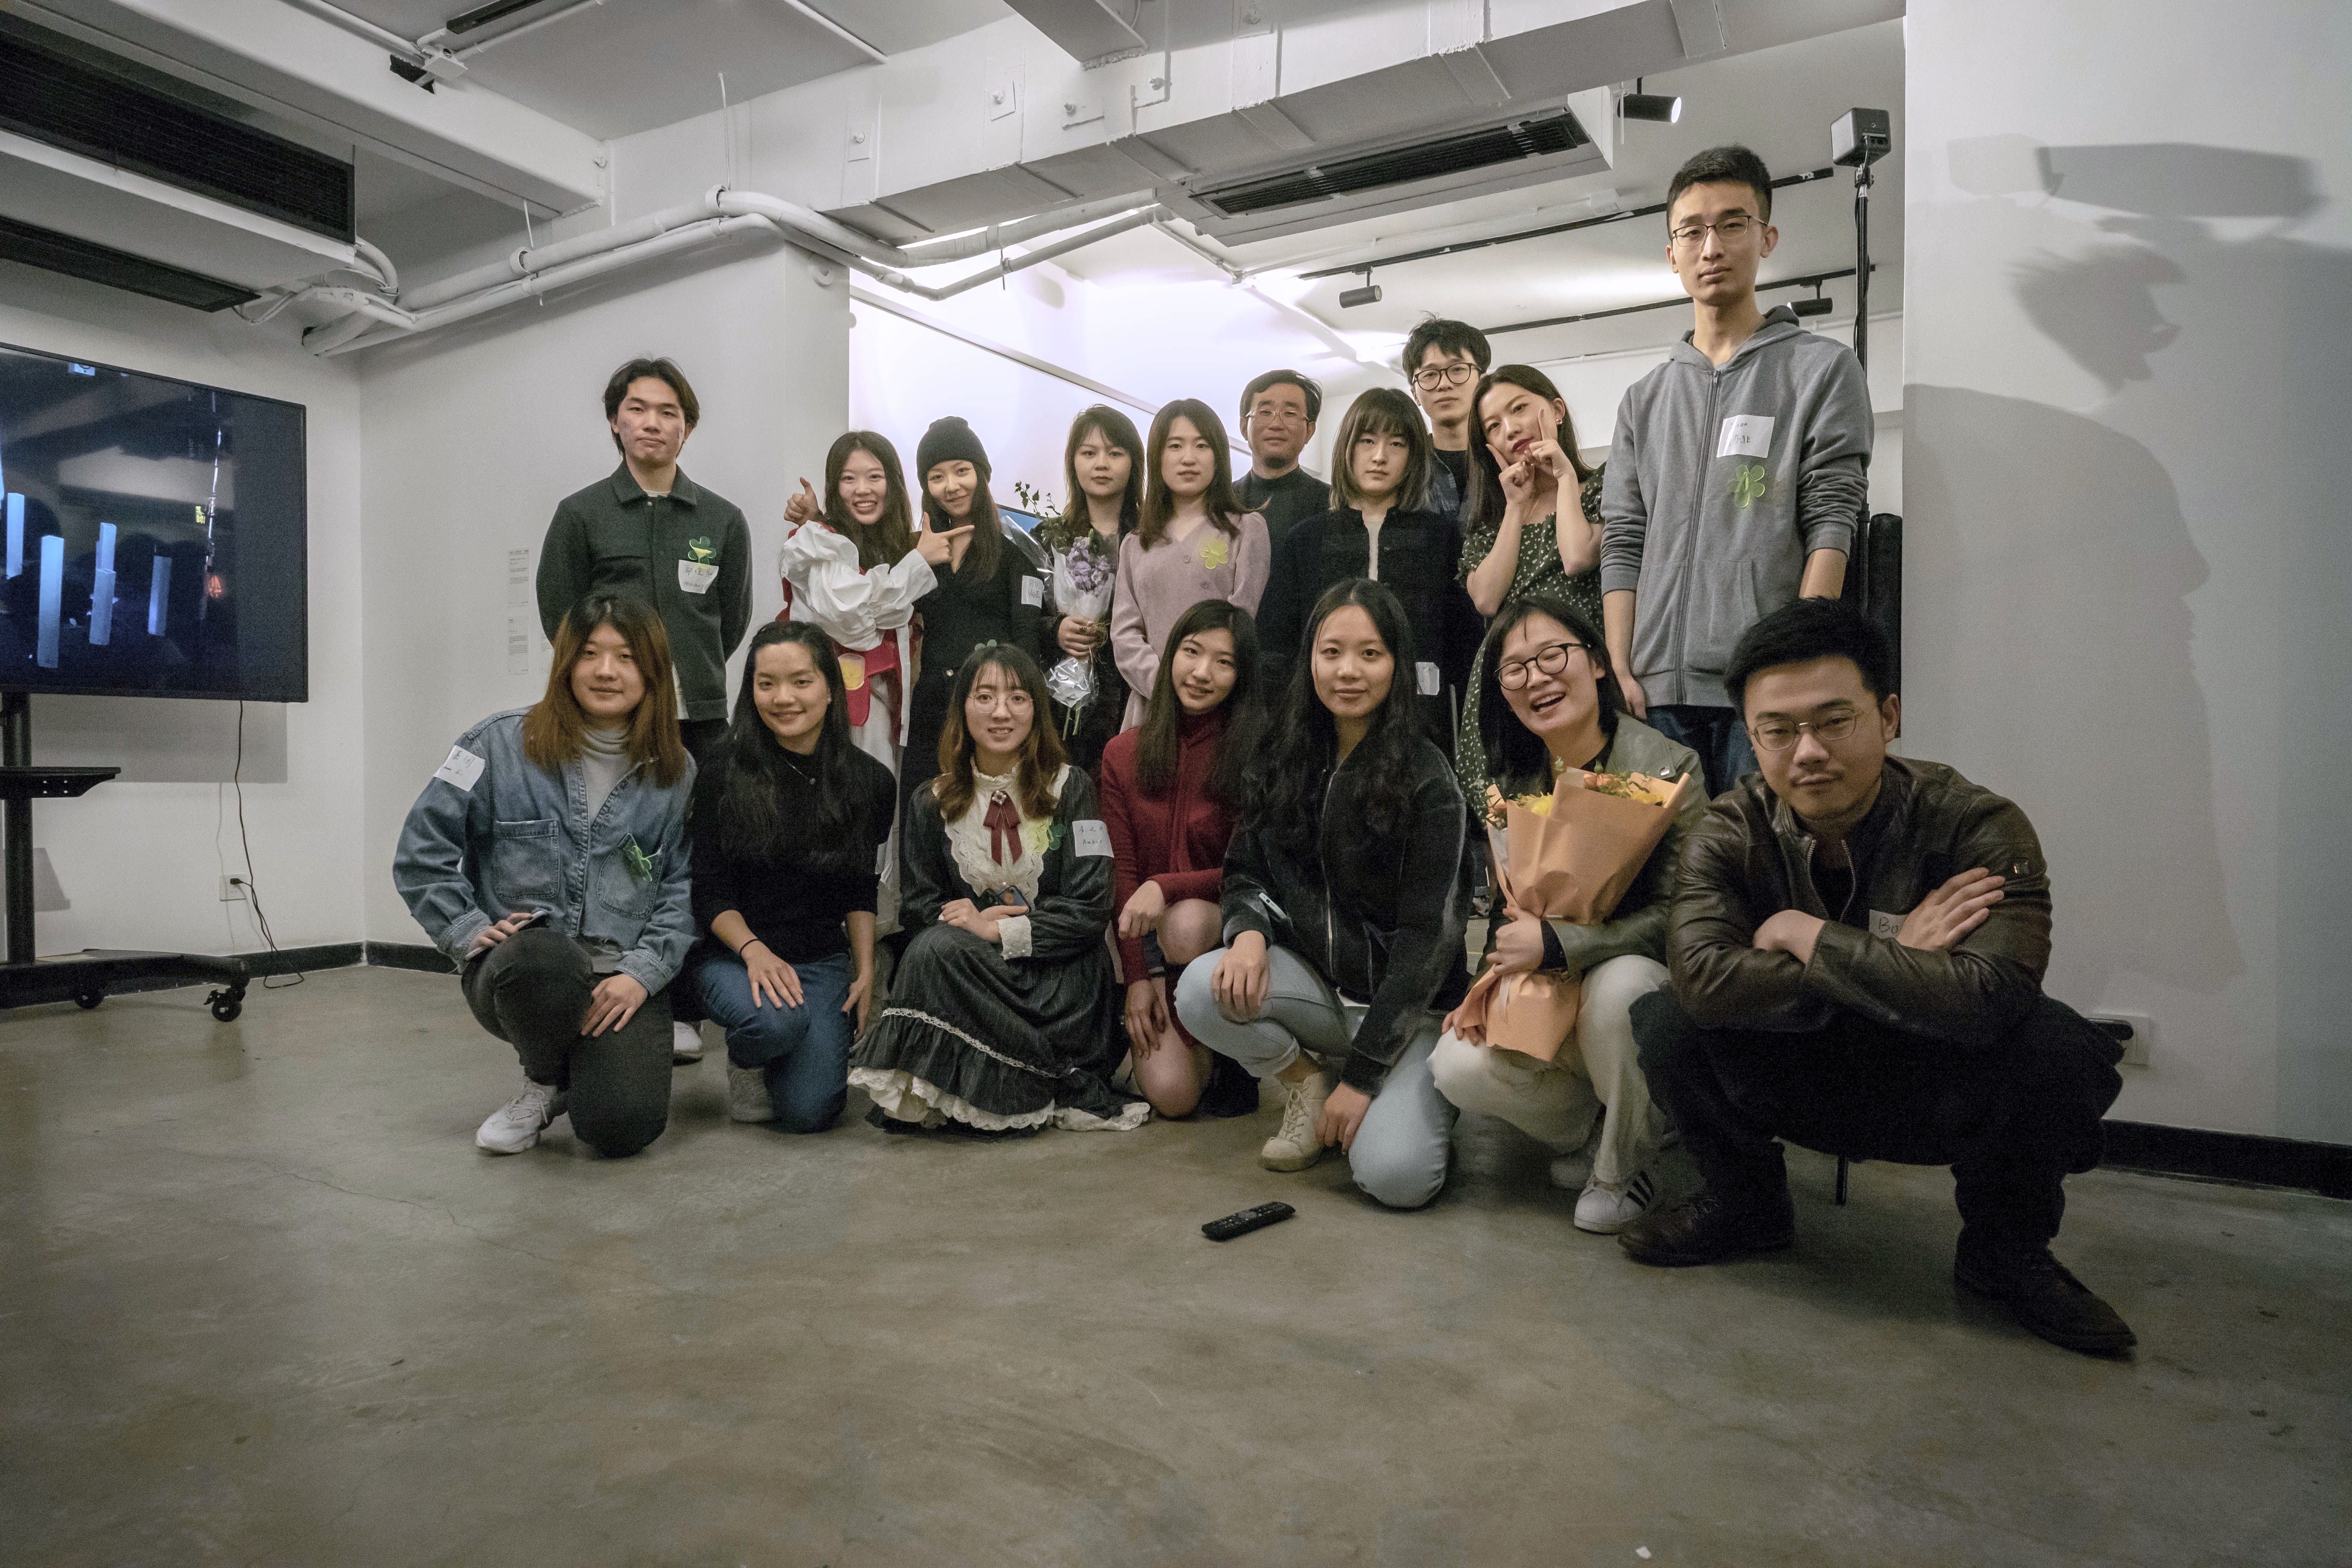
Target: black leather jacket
x=1382 y=920
x=1752 y=858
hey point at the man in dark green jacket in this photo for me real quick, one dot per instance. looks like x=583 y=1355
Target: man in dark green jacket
x=648 y=531
x=1857 y=946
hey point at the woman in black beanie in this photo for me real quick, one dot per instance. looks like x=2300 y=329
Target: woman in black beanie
x=989 y=591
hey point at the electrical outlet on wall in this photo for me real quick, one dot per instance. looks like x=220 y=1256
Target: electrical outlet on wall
x=2135 y=1043
x=232 y=889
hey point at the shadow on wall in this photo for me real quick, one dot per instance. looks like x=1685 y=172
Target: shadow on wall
x=2224 y=343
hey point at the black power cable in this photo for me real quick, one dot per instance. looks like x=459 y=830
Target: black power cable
x=252 y=890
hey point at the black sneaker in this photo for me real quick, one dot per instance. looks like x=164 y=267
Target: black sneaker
x=1230 y=1091
x=1705 y=1229
x=2045 y=1297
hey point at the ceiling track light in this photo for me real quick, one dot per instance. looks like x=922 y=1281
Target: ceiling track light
x=1660 y=108
x=1370 y=294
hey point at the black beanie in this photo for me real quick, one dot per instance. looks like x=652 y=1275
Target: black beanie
x=948 y=440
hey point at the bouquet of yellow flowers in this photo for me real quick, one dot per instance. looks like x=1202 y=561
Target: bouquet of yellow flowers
x=1567 y=856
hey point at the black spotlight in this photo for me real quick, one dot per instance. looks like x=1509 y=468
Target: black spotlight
x=1652 y=106
x=1814 y=307
x=1370 y=294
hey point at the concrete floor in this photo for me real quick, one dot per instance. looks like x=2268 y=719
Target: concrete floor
x=263 y=1303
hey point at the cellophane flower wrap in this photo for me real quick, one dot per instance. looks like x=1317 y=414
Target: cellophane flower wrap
x=1083 y=578
x=1569 y=856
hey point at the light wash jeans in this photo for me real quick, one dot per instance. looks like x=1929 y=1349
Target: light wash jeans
x=1406 y=1138
x=1598 y=1072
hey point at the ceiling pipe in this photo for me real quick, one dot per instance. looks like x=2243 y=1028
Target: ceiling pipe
x=359 y=27
x=593 y=255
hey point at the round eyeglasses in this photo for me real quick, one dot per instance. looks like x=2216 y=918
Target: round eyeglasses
x=1513 y=674
x=1432 y=377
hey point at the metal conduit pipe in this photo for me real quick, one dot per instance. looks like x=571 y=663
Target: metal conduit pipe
x=381 y=263
x=905 y=284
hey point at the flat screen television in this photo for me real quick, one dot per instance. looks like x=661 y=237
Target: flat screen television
x=156 y=535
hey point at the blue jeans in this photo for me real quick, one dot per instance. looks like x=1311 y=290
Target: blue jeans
x=804 y=1050
x=1717 y=735
x=1406 y=1139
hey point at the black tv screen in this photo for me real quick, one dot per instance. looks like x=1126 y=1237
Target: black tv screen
x=156 y=535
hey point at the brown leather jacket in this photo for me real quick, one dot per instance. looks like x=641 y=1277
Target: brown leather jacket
x=1752 y=858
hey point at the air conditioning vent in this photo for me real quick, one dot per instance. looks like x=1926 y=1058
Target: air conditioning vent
x=55 y=98
x=1456 y=155
x=56 y=252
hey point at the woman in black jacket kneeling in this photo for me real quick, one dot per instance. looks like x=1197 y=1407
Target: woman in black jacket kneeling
x=1347 y=890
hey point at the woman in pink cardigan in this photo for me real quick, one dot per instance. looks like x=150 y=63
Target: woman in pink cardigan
x=1193 y=542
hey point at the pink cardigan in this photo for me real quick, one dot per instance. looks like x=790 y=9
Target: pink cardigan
x=1156 y=586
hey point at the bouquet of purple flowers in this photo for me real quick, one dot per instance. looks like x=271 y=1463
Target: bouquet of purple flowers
x=1083 y=578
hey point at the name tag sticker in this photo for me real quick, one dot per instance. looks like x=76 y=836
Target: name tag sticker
x=696 y=576
x=1745 y=436
x=461 y=769
x=1090 y=838
x=1428 y=678
x=1032 y=591
x=1885 y=925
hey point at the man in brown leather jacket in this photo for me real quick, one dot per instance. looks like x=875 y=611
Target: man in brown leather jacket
x=1857 y=947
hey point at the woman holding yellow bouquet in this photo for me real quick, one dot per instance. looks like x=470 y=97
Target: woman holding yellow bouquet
x=1550 y=703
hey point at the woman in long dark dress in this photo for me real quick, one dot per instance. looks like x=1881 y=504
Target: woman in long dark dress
x=1002 y=1017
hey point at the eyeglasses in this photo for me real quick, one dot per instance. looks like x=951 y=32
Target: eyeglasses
x=1729 y=230
x=1551 y=661
x=1437 y=375
x=1779 y=734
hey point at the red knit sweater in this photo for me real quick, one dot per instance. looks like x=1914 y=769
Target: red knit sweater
x=1177 y=840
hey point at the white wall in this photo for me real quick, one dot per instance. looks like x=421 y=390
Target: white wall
x=474 y=434
x=139 y=859
x=2129 y=374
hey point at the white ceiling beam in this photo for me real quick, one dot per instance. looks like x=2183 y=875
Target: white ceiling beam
x=281 y=59
x=1085 y=30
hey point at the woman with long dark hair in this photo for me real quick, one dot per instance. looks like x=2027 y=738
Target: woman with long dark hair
x=1347 y=889
x=990 y=589
x=854 y=566
x=1171 y=790
x=1102 y=465
x=547 y=858
x=788 y=825
x=1532 y=518
x=1000 y=1018
x=1380 y=526
x=1552 y=704
x=1193 y=542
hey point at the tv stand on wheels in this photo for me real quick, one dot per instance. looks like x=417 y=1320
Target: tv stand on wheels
x=86 y=976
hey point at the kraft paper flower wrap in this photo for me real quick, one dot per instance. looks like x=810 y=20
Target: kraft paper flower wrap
x=1566 y=856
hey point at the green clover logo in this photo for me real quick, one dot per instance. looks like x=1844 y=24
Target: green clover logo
x=642 y=867
x=1749 y=484
x=700 y=551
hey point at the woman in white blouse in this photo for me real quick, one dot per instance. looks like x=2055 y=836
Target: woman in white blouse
x=854 y=566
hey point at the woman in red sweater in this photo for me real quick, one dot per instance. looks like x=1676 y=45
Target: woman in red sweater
x=1168 y=790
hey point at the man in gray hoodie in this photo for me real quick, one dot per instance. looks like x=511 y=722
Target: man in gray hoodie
x=1737 y=474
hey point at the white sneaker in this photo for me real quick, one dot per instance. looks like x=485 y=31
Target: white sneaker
x=516 y=1125
x=685 y=1042
x=1571 y=1172
x=1604 y=1210
x=1295 y=1147
x=747 y=1094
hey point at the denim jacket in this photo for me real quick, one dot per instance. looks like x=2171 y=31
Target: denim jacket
x=493 y=835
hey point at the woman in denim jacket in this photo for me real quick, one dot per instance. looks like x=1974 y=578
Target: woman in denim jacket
x=547 y=858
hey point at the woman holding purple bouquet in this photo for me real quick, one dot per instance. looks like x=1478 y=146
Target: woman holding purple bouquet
x=1104 y=477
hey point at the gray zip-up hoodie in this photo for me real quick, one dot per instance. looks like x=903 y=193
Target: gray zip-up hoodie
x=1720 y=482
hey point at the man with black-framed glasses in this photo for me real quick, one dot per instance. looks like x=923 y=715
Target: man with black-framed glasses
x=1856 y=949
x=1444 y=360
x=1736 y=476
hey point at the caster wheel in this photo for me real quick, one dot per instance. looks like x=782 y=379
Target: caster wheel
x=226 y=1006
x=88 y=1000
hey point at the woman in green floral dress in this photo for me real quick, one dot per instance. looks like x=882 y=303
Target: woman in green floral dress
x=1523 y=456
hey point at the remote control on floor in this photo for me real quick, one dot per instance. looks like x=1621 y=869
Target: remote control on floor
x=1248 y=1220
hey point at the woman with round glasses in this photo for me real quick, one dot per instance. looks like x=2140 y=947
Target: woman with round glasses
x=1554 y=705
x=1520 y=540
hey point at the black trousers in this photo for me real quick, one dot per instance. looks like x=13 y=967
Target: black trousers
x=2012 y=1121
x=701 y=737
x=531 y=990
